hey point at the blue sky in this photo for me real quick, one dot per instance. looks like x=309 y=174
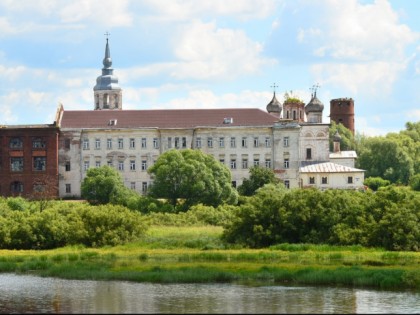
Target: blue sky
x=212 y=53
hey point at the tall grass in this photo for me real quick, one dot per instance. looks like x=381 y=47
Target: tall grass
x=196 y=254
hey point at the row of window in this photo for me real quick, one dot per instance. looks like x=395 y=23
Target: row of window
x=17 y=187
x=39 y=163
x=324 y=180
x=177 y=142
x=119 y=144
x=17 y=143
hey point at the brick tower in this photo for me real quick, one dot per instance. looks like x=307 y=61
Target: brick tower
x=342 y=111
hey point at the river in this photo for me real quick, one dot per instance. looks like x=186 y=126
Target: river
x=31 y=294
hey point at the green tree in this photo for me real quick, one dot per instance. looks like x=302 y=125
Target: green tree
x=415 y=182
x=259 y=176
x=192 y=176
x=375 y=183
x=347 y=141
x=102 y=185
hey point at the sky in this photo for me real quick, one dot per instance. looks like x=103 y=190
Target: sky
x=176 y=54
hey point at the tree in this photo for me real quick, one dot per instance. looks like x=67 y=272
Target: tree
x=102 y=185
x=347 y=139
x=194 y=177
x=375 y=183
x=415 y=182
x=259 y=176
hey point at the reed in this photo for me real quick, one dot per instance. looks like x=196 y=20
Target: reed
x=197 y=255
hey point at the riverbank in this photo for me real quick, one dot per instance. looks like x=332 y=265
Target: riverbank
x=197 y=255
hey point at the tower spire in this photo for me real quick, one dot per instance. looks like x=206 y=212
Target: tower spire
x=107 y=92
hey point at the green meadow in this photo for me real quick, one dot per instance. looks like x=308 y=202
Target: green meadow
x=196 y=254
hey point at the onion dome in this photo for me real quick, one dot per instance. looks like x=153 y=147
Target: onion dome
x=274 y=107
x=314 y=106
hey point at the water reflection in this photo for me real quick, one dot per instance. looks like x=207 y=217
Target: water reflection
x=28 y=294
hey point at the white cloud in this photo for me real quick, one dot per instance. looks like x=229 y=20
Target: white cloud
x=350 y=30
x=187 y=9
x=107 y=12
x=207 y=51
x=363 y=126
x=375 y=78
x=413 y=115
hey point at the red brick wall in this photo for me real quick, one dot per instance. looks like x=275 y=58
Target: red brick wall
x=28 y=176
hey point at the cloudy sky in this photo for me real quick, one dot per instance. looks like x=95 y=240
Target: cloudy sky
x=212 y=53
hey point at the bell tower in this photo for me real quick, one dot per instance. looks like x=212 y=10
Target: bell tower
x=107 y=92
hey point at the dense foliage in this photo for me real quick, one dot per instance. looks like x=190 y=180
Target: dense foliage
x=394 y=157
x=192 y=176
x=23 y=226
x=258 y=177
x=389 y=218
x=104 y=185
x=347 y=141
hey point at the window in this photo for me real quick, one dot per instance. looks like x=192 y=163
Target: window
x=256 y=142
x=184 y=142
x=38 y=143
x=85 y=144
x=234 y=183
x=68 y=188
x=233 y=164
x=97 y=163
x=268 y=163
x=97 y=144
x=121 y=165
x=287 y=184
x=286 y=141
x=169 y=142
x=286 y=163
x=16 y=143
x=350 y=180
x=132 y=143
x=120 y=143
x=16 y=187
x=109 y=144
x=16 y=164
x=308 y=153
x=143 y=165
x=144 y=187
x=311 y=180
x=268 y=142
x=133 y=185
x=39 y=163
x=198 y=142
x=177 y=142
x=221 y=142
x=324 y=180
x=244 y=163
x=222 y=161
x=109 y=163
x=132 y=165
x=294 y=115
x=67 y=165
x=155 y=143
x=244 y=142
x=143 y=143
x=210 y=142
x=38 y=187
x=256 y=162
x=66 y=143
x=233 y=142
x=86 y=165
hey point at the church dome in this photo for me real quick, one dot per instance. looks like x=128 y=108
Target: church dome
x=314 y=105
x=274 y=106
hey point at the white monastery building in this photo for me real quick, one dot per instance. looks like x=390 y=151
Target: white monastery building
x=295 y=145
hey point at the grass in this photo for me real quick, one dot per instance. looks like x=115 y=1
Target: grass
x=197 y=255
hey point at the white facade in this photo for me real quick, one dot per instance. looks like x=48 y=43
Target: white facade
x=132 y=140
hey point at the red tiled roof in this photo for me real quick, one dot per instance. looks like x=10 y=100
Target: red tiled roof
x=180 y=118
